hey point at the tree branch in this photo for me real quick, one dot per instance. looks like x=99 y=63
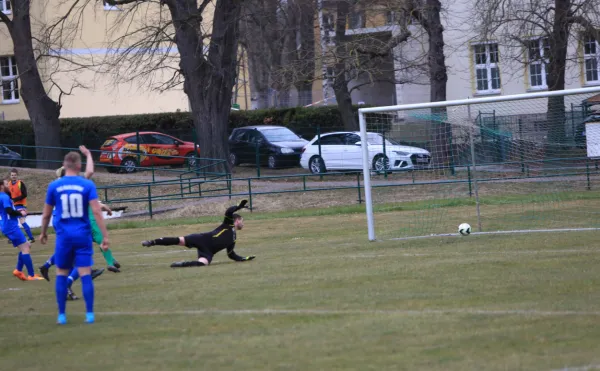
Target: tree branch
x=4 y=19
x=203 y=6
x=587 y=25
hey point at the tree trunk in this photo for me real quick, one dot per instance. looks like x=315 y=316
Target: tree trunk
x=209 y=79
x=556 y=71
x=43 y=111
x=340 y=84
x=438 y=77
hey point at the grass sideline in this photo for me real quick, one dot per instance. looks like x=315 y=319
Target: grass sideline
x=318 y=296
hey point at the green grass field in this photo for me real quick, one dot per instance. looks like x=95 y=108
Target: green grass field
x=319 y=297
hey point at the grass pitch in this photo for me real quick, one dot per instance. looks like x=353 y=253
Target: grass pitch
x=319 y=297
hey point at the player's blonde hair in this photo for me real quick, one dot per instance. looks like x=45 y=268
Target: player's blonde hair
x=72 y=161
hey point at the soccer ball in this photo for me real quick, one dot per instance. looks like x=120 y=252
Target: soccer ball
x=464 y=229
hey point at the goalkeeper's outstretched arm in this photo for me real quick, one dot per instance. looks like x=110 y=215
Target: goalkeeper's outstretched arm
x=233 y=256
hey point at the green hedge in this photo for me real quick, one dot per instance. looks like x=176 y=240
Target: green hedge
x=93 y=131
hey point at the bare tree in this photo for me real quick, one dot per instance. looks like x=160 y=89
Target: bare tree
x=276 y=33
x=364 y=55
x=43 y=111
x=558 y=22
x=169 y=43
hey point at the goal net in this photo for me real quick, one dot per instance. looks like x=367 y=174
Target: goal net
x=509 y=163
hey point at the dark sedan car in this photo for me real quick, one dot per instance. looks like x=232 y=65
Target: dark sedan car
x=9 y=157
x=278 y=146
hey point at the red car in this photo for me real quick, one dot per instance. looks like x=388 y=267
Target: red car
x=155 y=149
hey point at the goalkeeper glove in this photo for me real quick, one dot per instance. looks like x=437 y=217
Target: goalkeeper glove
x=242 y=205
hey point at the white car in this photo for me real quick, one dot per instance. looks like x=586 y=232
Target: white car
x=343 y=151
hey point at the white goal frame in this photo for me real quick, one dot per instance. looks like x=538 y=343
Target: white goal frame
x=460 y=102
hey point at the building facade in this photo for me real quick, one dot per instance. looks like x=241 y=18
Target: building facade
x=476 y=66
x=94 y=91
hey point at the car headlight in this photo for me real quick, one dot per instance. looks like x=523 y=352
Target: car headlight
x=400 y=153
x=287 y=150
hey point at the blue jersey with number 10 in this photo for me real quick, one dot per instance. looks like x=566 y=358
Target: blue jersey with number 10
x=71 y=196
x=9 y=223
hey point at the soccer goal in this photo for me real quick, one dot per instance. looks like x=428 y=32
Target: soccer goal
x=527 y=162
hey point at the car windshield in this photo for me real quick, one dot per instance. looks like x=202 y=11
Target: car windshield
x=377 y=140
x=280 y=135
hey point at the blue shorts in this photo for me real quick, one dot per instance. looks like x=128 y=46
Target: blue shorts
x=73 y=251
x=16 y=236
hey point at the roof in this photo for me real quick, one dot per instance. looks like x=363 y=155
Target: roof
x=259 y=127
x=593 y=100
x=118 y=136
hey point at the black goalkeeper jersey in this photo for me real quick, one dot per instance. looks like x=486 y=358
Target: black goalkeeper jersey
x=222 y=237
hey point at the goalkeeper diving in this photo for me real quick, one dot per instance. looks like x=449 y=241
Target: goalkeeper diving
x=209 y=243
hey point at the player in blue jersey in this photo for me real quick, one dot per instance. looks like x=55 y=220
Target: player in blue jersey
x=10 y=228
x=72 y=196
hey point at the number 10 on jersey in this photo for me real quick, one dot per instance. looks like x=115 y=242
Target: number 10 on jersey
x=72 y=205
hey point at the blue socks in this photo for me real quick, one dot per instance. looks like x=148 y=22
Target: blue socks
x=27 y=230
x=62 y=282
x=20 y=263
x=49 y=262
x=61 y=294
x=26 y=258
x=73 y=276
x=88 y=294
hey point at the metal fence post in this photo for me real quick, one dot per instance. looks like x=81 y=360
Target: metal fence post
x=358 y=187
x=150 y=200
x=385 y=160
x=257 y=160
x=587 y=173
x=319 y=141
x=137 y=139
x=469 y=178
x=250 y=192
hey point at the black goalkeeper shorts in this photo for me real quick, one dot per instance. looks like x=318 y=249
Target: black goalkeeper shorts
x=199 y=242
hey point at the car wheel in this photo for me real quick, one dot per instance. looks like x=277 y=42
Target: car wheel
x=191 y=160
x=272 y=162
x=234 y=159
x=316 y=165
x=128 y=165
x=381 y=163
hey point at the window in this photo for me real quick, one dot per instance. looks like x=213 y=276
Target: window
x=238 y=134
x=538 y=51
x=487 y=73
x=356 y=20
x=280 y=135
x=10 y=83
x=133 y=139
x=328 y=22
x=163 y=139
x=591 y=56
x=331 y=140
x=390 y=17
x=330 y=74
x=255 y=137
x=5 y=6
x=107 y=6
x=352 y=139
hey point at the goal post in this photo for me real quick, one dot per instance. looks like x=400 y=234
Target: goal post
x=528 y=152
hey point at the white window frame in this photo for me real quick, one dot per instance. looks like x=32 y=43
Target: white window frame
x=360 y=17
x=5 y=7
x=390 y=18
x=488 y=66
x=108 y=6
x=591 y=56
x=543 y=62
x=12 y=79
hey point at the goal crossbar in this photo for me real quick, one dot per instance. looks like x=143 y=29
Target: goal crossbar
x=460 y=102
